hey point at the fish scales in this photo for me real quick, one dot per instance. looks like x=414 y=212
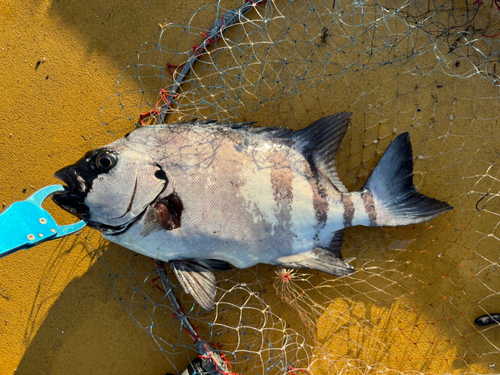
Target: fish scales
x=202 y=195
x=258 y=196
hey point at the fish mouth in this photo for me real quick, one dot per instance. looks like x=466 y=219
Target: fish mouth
x=72 y=179
x=73 y=196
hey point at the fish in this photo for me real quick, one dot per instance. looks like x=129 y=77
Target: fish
x=206 y=196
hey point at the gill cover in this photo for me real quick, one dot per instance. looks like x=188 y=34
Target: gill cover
x=112 y=186
x=120 y=195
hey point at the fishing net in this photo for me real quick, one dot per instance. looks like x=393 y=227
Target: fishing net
x=426 y=67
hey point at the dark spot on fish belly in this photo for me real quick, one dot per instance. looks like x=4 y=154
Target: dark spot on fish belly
x=348 y=210
x=370 y=207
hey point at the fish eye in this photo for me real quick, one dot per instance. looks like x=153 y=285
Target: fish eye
x=106 y=161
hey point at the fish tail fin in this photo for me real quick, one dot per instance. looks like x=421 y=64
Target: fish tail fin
x=389 y=195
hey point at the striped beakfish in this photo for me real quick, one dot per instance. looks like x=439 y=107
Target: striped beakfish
x=202 y=194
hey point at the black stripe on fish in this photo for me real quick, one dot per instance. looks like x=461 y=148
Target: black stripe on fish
x=349 y=210
x=320 y=203
x=370 y=207
x=282 y=185
x=281 y=182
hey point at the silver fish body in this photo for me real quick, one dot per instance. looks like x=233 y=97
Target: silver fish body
x=246 y=200
x=198 y=194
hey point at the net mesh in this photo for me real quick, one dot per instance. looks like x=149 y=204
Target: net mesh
x=426 y=67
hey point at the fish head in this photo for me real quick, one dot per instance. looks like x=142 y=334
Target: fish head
x=110 y=187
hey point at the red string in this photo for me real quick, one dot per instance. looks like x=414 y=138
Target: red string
x=497 y=4
x=198 y=51
x=173 y=66
x=223 y=357
x=292 y=370
x=210 y=356
x=156 y=285
x=164 y=96
x=285 y=276
x=490 y=36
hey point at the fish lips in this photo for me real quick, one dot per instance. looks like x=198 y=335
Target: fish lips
x=73 y=197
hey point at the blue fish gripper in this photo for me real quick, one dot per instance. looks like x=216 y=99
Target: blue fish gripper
x=25 y=224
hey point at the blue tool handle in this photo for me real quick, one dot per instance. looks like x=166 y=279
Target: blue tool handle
x=25 y=224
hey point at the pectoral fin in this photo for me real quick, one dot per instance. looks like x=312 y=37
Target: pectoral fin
x=317 y=259
x=197 y=279
x=164 y=214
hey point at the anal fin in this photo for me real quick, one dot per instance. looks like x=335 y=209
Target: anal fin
x=335 y=245
x=197 y=279
x=317 y=259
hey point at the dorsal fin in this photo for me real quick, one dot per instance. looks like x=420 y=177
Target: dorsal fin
x=321 y=141
x=248 y=127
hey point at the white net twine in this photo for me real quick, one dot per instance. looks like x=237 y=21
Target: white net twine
x=427 y=67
